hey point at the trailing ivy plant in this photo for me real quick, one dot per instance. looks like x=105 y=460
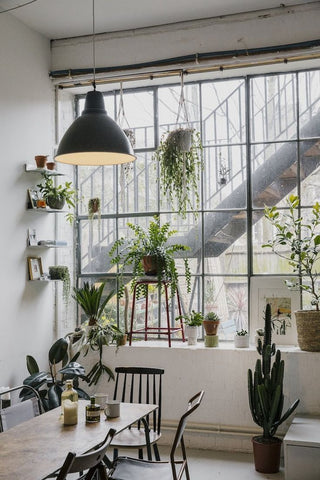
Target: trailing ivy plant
x=153 y=241
x=180 y=169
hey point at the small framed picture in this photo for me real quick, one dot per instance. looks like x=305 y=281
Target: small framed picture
x=35 y=268
x=284 y=303
x=32 y=198
x=32 y=237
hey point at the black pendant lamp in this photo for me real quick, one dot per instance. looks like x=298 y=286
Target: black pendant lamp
x=94 y=138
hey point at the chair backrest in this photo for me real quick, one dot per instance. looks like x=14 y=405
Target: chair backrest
x=141 y=385
x=91 y=461
x=19 y=412
x=193 y=404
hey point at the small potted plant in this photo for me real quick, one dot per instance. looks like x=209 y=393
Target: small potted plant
x=241 y=339
x=148 y=252
x=94 y=208
x=179 y=157
x=57 y=195
x=61 y=272
x=192 y=322
x=265 y=388
x=297 y=239
x=211 y=323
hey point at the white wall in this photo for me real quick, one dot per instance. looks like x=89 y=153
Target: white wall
x=224 y=420
x=271 y=27
x=26 y=130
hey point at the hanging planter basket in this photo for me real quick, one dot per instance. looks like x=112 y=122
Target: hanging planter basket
x=94 y=207
x=181 y=139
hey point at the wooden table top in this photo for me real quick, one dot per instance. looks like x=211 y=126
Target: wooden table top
x=35 y=448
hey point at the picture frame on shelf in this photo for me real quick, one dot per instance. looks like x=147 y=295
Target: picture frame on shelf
x=32 y=198
x=284 y=303
x=35 y=268
x=32 y=237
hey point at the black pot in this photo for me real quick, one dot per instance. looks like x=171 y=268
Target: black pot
x=56 y=203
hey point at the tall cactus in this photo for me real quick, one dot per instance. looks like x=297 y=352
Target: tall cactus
x=265 y=388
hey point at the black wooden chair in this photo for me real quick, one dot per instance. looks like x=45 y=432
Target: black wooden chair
x=16 y=413
x=126 y=468
x=90 y=462
x=139 y=385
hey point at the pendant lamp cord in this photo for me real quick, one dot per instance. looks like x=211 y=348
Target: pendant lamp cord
x=93 y=46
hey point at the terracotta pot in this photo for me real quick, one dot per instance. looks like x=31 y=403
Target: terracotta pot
x=51 y=165
x=41 y=160
x=211 y=327
x=308 y=329
x=122 y=340
x=266 y=454
x=150 y=264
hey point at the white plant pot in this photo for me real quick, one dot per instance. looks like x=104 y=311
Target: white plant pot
x=241 y=341
x=192 y=334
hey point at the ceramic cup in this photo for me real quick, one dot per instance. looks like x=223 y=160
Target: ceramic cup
x=112 y=409
x=101 y=399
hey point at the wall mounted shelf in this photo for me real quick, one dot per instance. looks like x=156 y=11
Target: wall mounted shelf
x=33 y=169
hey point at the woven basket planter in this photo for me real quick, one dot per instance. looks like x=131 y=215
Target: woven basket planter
x=308 y=328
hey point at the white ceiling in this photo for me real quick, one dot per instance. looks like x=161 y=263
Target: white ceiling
x=70 y=18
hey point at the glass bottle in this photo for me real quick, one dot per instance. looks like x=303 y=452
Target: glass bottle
x=92 y=411
x=69 y=404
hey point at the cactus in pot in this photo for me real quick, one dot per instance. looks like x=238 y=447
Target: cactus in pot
x=266 y=399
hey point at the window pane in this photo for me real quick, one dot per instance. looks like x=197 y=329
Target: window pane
x=309 y=104
x=273 y=108
x=98 y=182
x=96 y=238
x=310 y=172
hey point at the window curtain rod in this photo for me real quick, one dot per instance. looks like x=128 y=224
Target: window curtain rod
x=199 y=62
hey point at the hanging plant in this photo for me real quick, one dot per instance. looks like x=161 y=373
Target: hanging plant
x=61 y=272
x=94 y=208
x=179 y=157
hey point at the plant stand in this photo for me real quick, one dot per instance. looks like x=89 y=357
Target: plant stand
x=168 y=330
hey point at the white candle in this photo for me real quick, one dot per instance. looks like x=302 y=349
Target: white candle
x=70 y=412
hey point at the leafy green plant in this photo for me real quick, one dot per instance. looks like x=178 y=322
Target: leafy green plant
x=212 y=317
x=89 y=298
x=193 y=319
x=61 y=272
x=302 y=239
x=100 y=334
x=241 y=333
x=56 y=195
x=265 y=387
x=151 y=241
x=180 y=169
x=50 y=384
x=94 y=208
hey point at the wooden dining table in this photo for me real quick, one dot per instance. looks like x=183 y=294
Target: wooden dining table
x=38 y=447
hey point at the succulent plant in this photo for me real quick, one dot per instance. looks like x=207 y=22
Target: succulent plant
x=265 y=386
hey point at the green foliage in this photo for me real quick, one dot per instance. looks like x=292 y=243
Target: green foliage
x=50 y=384
x=194 y=319
x=152 y=241
x=212 y=317
x=94 y=208
x=303 y=241
x=61 y=272
x=180 y=170
x=241 y=333
x=265 y=387
x=49 y=189
x=89 y=298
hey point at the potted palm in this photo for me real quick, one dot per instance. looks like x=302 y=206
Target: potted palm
x=192 y=321
x=297 y=239
x=265 y=388
x=179 y=157
x=149 y=252
x=99 y=333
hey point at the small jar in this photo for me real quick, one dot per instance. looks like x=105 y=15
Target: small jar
x=92 y=412
x=69 y=404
